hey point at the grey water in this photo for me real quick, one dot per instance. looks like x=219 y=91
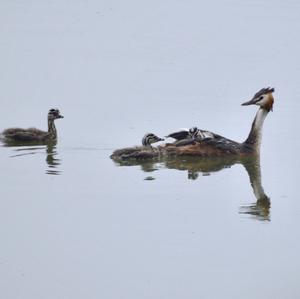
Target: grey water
x=74 y=223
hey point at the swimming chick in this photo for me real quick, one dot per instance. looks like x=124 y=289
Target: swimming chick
x=33 y=134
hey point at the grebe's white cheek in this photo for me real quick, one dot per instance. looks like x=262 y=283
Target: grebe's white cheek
x=265 y=100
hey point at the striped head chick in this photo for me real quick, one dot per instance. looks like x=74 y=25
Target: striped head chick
x=54 y=114
x=150 y=138
x=197 y=134
x=193 y=132
x=184 y=134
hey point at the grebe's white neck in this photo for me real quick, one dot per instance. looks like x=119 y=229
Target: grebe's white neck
x=255 y=135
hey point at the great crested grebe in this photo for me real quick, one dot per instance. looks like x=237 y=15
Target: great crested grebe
x=215 y=145
x=150 y=138
x=219 y=145
x=33 y=134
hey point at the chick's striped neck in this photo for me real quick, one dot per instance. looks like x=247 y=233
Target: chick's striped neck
x=52 y=129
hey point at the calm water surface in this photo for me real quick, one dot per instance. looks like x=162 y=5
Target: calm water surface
x=75 y=224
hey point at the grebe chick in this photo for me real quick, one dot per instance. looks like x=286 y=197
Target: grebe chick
x=150 y=138
x=192 y=133
x=183 y=133
x=33 y=134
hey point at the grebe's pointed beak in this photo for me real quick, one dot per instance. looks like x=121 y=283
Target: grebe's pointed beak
x=251 y=102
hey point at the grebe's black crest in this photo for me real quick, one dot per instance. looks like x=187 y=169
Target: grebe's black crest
x=150 y=138
x=263 y=91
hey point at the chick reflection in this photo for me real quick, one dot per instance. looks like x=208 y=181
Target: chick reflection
x=259 y=210
x=36 y=149
x=52 y=161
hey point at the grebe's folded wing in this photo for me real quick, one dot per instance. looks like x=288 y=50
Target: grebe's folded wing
x=221 y=143
x=179 y=135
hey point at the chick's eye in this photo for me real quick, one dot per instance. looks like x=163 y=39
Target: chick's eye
x=260 y=98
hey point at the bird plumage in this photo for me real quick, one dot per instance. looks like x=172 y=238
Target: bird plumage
x=192 y=133
x=208 y=144
x=33 y=134
x=150 y=138
x=219 y=145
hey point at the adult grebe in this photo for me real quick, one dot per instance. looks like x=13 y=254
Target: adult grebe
x=33 y=134
x=150 y=138
x=219 y=145
x=216 y=145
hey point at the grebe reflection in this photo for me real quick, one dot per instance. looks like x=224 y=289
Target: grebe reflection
x=195 y=167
